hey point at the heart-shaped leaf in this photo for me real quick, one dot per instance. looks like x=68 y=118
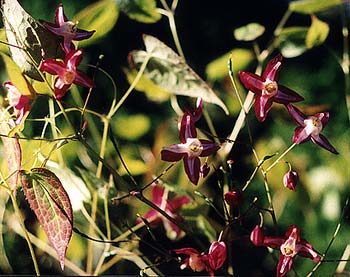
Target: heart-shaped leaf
x=51 y=205
x=171 y=72
x=100 y=16
x=27 y=38
x=317 y=33
x=312 y=6
x=140 y=10
x=249 y=32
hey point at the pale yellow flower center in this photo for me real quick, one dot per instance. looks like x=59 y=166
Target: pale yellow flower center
x=69 y=77
x=270 y=88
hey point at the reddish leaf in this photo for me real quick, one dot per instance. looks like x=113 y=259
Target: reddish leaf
x=12 y=150
x=51 y=205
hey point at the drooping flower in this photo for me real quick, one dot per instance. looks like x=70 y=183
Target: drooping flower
x=290 y=246
x=290 y=180
x=310 y=127
x=266 y=88
x=17 y=101
x=190 y=148
x=66 y=29
x=171 y=207
x=67 y=72
x=200 y=261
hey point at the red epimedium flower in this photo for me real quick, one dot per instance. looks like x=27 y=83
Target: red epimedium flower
x=200 y=261
x=266 y=88
x=66 y=72
x=290 y=180
x=290 y=246
x=17 y=101
x=170 y=206
x=66 y=29
x=310 y=127
x=190 y=148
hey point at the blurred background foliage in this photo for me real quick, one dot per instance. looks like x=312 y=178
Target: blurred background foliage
x=146 y=122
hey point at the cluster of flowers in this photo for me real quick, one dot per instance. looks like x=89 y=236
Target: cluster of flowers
x=267 y=91
x=66 y=70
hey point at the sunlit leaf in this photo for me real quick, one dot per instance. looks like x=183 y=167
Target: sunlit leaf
x=218 y=68
x=249 y=32
x=291 y=41
x=317 y=32
x=16 y=77
x=312 y=6
x=171 y=72
x=51 y=205
x=3 y=47
x=24 y=32
x=100 y=16
x=152 y=91
x=12 y=148
x=137 y=126
x=140 y=10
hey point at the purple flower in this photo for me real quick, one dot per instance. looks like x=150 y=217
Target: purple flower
x=190 y=148
x=170 y=206
x=19 y=102
x=66 y=29
x=310 y=127
x=200 y=261
x=66 y=72
x=266 y=88
x=290 y=246
x=290 y=180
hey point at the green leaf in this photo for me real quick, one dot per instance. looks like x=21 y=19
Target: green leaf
x=139 y=125
x=218 y=69
x=152 y=91
x=140 y=10
x=51 y=205
x=291 y=41
x=312 y=6
x=249 y=32
x=171 y=72
x=100 y=16
x=317 y=33
x=24 y=32
x=12 y=149
x=16 y=77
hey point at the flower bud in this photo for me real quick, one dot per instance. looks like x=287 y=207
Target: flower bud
x=204 y=170
x=290 y=180
x=217 y=254
x=257 y=236
x=234 y=198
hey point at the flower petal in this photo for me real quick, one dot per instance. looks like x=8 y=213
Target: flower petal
x=60 y=17
x=262 y=106
x=286 y=95
x=192 y=167
x=257 y=236
x=177 y=202
x=52 y=66
x=284 y=265
x=273 y=68
x=187 y=128
x=251 y=81
x=306 y=250
x=300 y=135
x=208 y=147
x=82 y=34
x=186 y=251
x=323 y=117
x=173 y=153
x=73 y=59
x=83 y=80
x=323 y=142
x=296 y=114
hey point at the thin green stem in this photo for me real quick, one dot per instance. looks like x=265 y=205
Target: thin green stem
x=280 y=157
x=132 y=86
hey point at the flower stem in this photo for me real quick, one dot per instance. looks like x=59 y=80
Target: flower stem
x=280 y=157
